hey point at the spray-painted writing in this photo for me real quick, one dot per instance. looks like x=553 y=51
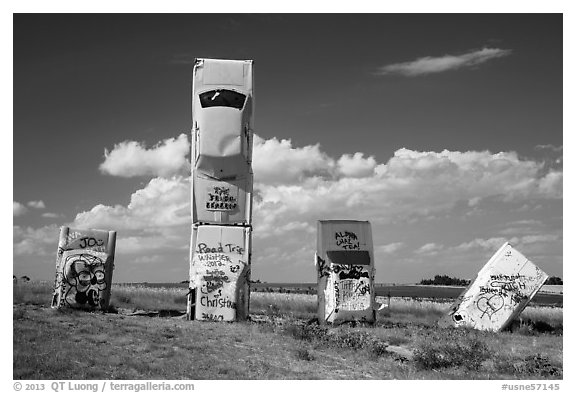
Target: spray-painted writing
x=90 y=242
x=347 y=240
x=212 y=317
x=500 y=290
x=352 y=295
x=214 y=259
x=231 y=248
x=214 y=279
x=220 y=199
x=217 y=302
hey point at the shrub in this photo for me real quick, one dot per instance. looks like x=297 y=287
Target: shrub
x=466 y=352
x=445 y=280
x=307 y=332
x=537 y=365
x=553 y=281
x=304 y=354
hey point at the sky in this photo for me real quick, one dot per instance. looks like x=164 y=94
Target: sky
x=445 y=131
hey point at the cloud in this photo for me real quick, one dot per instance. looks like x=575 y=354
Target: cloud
x=277 y=162
x=494 y=243
x=161 y=203
x=19 y=209
x=431 y=65
x=430 y=249
x=36 y=241
x=553 y=148
x=37 y=204
x=390 y=248
x=356 y=165
x=410 y=183
x=51 y=215
x=130 y=158
x=295 y=186
x=551 y=184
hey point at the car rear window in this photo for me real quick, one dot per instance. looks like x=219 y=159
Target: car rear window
x=222 y=97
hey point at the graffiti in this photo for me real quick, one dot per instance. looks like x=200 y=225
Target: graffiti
x=323 y=267
x=343 y=271
x=352 y=295
x=230 y=248
x=205 y=301
x=85 y=278
x=216 y=276
x=490 y=304
x=214 y=260
x=85 y=241
x=363 y=288
x=347 y=240
x=348 y=271
x=220 y=199
x=501 y=287
x=84 y=266
x=212 y=317
x=213 y=280
x=91 y=242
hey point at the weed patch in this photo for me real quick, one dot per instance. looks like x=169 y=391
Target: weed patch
x=537 y=365
x=338 y=338
x=468 y=353
x=304 y=354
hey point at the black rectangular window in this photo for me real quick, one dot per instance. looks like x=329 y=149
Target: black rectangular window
x=349 y=257
x=222 y=97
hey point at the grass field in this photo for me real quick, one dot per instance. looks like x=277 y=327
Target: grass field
x=279 y=342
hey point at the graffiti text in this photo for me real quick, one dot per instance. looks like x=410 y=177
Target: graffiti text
x=347 y=240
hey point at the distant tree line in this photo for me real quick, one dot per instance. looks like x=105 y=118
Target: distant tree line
x=445 y=280
x=554 y=281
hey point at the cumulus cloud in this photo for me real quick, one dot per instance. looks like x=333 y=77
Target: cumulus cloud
x=356 y=165
x=35 y=241
x=551 y=184
x=130 y=158
x=410 y=183
x=37 y=204
x=162 y=203
x=295 y=186
x=431 y=65
x=278 y=162
x=19 y=209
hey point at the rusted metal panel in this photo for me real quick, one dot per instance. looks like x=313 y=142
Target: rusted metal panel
x=502 y=289
x=345 y=266
x=219 y=273
x=84 y=266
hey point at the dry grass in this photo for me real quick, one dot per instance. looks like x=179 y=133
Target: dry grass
x=286 y=304
x=146 y=298
x=281 y=343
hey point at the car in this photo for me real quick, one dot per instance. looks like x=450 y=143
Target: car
x=222 y=135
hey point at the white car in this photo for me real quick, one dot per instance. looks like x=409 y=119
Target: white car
x=222 y=112
x=222 y=133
